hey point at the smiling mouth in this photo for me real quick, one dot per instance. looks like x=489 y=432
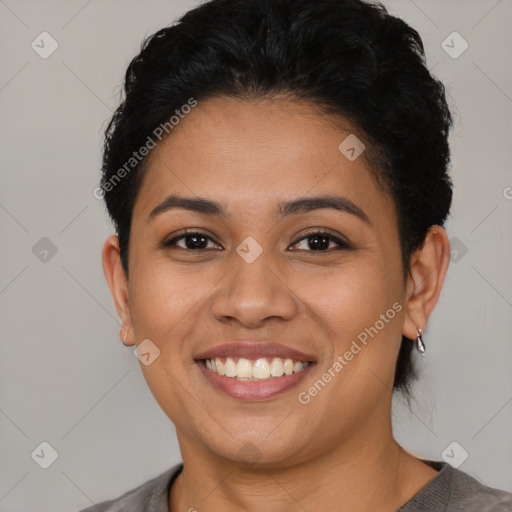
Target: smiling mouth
x=257 y=369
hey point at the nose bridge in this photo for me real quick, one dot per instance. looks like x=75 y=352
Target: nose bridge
x=251 y=274
x=254 y=290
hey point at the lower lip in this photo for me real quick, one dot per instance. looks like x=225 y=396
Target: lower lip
x=253 y=390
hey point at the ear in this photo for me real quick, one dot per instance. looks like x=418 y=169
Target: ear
x=118 y=284
x=428 y=269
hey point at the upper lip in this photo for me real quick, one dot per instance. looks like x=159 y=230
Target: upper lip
x=253 y=350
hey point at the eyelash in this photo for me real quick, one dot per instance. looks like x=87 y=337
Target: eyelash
x=186 y=233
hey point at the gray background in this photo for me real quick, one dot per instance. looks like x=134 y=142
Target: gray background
x=65 y=376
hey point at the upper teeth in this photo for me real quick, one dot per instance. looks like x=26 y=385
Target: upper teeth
x=258 y=369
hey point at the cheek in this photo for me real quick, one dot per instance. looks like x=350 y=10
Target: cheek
x=169 y=305
x=163 y=310
x=360 y=309
x=350 y=297
x=159 y=305
x=161 y=295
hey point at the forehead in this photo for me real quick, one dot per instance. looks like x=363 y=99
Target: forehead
x=258 y=153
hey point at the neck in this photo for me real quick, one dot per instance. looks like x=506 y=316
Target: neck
x=353 y=476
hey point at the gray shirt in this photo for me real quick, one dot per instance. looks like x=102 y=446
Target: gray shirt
x=451 y=490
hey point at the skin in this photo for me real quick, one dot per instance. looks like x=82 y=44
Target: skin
x=249 y=156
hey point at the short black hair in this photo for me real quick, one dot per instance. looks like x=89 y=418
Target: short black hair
x=349 y=57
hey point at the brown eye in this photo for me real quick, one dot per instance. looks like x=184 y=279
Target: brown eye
x=193 y=241
x=320 y=241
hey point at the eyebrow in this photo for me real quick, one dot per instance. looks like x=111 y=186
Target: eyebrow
x=300 y=205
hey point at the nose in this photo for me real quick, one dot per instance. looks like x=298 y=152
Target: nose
x=253 y=292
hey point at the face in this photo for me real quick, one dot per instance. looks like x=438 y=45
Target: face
x=261 y=272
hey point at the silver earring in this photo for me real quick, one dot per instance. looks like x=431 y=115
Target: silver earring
x=420 y=346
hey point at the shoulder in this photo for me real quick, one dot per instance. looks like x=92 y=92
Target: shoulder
x=453 y=490
x=151 y=496
x=469 y=494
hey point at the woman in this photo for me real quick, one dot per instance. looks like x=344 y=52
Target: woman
x=277 y=177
